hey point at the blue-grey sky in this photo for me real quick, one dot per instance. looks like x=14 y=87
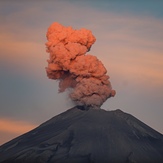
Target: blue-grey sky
x=129 y=42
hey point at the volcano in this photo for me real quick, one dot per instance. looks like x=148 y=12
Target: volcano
x=86 y=135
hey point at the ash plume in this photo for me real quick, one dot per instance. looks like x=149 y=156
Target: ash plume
x=82 y=74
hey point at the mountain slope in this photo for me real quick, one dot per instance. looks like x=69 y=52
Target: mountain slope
x=92 y=135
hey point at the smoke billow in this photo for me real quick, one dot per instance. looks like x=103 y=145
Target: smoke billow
x=69 y=63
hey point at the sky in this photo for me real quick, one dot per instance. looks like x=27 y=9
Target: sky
x=129 y=42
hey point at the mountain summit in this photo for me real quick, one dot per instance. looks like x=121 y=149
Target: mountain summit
x=82 y=135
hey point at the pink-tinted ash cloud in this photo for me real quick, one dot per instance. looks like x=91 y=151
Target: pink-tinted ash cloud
x=69 y=63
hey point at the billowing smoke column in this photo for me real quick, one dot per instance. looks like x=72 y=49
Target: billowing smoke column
x=83 y=74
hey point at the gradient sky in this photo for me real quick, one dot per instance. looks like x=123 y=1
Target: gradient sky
x=129 y=43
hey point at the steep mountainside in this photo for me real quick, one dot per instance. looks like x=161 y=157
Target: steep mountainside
x=82 y=135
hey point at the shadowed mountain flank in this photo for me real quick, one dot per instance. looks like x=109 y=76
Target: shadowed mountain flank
x=86 y=135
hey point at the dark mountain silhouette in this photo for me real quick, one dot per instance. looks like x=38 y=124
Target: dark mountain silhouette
x=85 y=135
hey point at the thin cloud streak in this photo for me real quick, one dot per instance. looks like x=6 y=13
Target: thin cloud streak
x=14 y=126
x=10 y=129
x=143 y=65
x=131 y=45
